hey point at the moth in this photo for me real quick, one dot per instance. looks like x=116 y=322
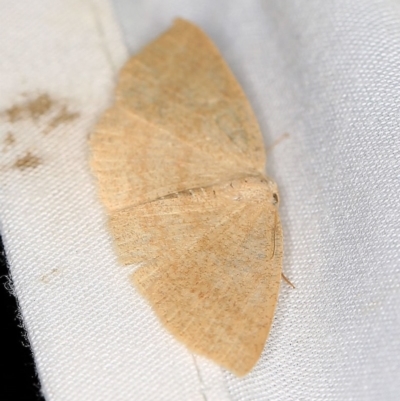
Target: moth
x=179 y=161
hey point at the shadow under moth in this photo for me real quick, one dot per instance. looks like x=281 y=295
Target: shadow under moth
x=179 y=161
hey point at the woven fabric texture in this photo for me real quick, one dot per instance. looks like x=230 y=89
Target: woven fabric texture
x=93 y=337
x=325 y=72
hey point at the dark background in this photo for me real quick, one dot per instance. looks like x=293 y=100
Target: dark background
x=18 y=379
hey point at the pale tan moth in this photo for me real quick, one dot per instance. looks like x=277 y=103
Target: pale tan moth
x=179 y=161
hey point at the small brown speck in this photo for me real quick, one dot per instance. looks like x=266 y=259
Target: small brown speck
x=27 y=161
x=46 y=278
x=9 y=140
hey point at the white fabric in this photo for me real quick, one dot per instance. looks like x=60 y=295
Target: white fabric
x=326 y=72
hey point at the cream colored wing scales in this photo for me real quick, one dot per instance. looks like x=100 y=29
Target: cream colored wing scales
x=219 y=296
x=181 y=82
x=136 y=161
x=169 y=226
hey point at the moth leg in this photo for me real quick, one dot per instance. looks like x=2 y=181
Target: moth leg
x=277 y=141
x=287 y=280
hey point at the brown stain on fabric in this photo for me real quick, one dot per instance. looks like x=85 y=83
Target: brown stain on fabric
x=63 y=116
x=41 y=105
x=33 y=109
x=29 y=161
